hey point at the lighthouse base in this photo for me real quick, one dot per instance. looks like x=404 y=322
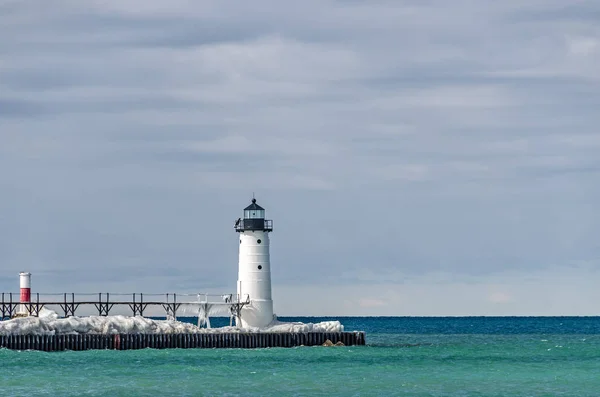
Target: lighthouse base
x=258 y=314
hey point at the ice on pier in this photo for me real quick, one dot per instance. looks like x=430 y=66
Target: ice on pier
x=325 y=326
x=48 y=323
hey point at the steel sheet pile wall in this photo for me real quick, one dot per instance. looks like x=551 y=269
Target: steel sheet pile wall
x=180 y=341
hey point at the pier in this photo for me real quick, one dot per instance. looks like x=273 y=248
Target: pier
x=53 y=343
x=137 y=303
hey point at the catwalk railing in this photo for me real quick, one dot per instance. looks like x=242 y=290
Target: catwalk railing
x=104 y=302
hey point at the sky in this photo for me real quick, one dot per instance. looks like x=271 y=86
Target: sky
x=418 y=158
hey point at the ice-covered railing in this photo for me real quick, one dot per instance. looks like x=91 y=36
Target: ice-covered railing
x=41 y=318
x=211 y=305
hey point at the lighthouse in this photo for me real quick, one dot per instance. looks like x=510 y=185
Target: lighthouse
x=254 y=271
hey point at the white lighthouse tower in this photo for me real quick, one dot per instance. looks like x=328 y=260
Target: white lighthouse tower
x=254 y=273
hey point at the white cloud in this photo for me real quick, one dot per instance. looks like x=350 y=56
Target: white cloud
x=583 y=46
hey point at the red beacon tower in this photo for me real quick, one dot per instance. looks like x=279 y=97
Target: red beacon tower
x=25 y=284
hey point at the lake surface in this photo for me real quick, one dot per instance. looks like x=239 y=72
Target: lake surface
x=412 y=356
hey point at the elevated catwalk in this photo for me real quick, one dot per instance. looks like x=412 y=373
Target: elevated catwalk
x=51 y=343
x=104 y=302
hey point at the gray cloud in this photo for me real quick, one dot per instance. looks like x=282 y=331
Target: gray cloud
x=389 y=141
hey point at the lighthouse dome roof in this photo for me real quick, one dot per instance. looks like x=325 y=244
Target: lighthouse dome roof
x=253 y=206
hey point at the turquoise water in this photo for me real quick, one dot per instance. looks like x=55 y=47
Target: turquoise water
x=404 y=356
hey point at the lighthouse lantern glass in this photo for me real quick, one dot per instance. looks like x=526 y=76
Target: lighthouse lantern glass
x=254 y=214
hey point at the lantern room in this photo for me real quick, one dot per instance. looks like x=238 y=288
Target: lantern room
x=254 y=219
